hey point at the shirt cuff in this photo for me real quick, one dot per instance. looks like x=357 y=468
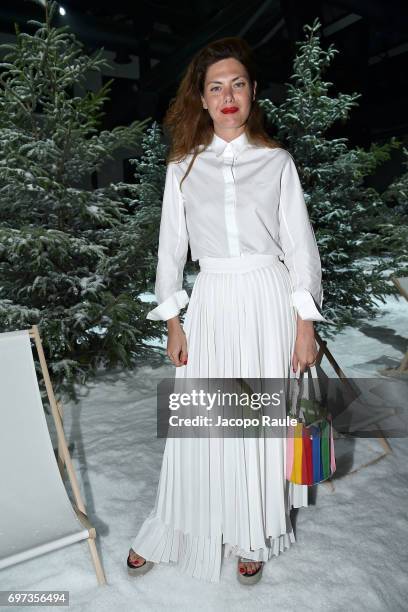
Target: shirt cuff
x=170 y=307
x=306 y=306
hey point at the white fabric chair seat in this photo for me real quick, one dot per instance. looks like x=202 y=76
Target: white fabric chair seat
x=36 y=514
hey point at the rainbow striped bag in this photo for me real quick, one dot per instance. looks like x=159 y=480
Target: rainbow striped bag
x=310 y=456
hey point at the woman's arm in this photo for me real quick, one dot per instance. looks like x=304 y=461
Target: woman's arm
x=177 y=349
x=301 y=256
x=305 y=350
x=172 y=252
x=298 y=242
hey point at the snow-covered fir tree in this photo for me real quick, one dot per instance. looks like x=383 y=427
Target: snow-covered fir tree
x=145 y=198
x=68 y=253
x=346 y=214
x=396 y=193
x=394 y=230
x=147 y=195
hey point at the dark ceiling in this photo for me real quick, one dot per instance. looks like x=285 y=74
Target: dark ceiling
x=371 y=35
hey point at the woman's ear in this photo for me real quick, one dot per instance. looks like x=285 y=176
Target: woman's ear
x=203 y=102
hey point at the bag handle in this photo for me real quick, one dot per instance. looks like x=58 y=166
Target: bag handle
x=297 y=391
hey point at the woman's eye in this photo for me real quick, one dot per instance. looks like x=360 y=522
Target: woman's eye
x=217 y=87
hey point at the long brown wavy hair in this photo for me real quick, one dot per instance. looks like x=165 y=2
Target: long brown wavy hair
x=188 y=123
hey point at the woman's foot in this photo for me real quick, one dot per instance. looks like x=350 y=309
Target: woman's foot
x=248 y=567
x=135 y=559
x=249 y=572
x=137 y=565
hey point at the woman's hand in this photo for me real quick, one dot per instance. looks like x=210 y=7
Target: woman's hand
x=305 y=351
x=176 y=342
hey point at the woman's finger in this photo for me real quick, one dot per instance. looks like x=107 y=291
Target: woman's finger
x=184 y=353
x=177 y=359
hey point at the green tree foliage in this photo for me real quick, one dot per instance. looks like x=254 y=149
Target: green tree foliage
x=68 y=253
x=347 y=216
x=145 y=198
x=394 y=230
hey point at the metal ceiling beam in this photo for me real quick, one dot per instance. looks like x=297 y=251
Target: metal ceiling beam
x=255 y=16
x=229 y=21
x=393 y=11
x=341 y=24
x=88 y=29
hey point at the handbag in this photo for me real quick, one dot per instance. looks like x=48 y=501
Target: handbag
x=310 y=455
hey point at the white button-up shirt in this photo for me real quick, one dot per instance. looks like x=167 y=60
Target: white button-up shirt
x=238 y=198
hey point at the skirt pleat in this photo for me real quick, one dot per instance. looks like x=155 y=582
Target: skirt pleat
x=217 y=496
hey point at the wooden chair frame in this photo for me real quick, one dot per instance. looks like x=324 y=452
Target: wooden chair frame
x=64 y=458
x=402 y=369
x=324 y=351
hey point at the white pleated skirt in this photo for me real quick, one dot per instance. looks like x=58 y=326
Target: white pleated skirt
x=219 y=497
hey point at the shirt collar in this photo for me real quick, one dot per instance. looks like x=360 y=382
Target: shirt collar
x=239 y=143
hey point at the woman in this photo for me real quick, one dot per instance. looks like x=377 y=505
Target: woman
x=234 y=195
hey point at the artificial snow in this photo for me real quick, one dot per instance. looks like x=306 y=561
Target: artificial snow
x=351 y=550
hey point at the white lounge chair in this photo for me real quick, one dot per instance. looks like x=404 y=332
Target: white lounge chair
x=36 y=514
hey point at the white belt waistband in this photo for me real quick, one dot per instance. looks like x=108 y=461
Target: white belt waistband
x=243 y=263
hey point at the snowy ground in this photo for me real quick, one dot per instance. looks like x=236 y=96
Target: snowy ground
x=351 y=550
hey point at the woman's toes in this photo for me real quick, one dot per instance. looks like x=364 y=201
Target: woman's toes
x=248 y=568
x=135 y=559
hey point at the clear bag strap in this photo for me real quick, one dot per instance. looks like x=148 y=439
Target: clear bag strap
x=297 y=391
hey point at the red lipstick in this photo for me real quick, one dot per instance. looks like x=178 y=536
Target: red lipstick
x=230 y=109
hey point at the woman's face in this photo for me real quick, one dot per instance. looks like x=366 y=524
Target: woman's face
x=228 y=94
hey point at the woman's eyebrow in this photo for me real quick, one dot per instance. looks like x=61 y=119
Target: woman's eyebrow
x=234 y=79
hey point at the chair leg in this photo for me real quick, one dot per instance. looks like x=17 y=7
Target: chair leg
x=61 y=462
x=100 y=574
